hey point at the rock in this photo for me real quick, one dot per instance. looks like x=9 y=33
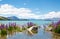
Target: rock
x=33 y=29
x=49 y=28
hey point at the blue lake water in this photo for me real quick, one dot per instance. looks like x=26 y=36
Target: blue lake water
x=24 y=22
x=40 y=35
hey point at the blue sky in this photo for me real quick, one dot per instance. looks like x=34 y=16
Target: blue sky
x=39 y=7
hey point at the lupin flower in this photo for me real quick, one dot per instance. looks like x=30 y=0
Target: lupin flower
x=58 y=23
x=12 y=24
x=30 y=24
x=54 y=25
x=6 y=26
x=2 y=26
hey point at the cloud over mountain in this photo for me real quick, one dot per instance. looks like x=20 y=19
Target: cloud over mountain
x=25 y=13
x=52 y=14
x=9 y=10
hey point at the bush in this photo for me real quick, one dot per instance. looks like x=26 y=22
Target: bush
x=10 y=28
x=57 y=30
x=56 y=27
x=3 y=32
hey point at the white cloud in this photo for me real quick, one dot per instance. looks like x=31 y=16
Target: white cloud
x=52 y=14
x=9 y=10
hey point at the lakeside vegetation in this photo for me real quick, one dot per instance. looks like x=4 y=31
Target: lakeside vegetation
x=55 y=27
x=11 y=28
x=6 y=29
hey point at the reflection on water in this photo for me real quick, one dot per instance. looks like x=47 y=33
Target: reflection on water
x=32 y=30
x=41 y=34
x=3 y=37
x=31 y=33
x=56 y=36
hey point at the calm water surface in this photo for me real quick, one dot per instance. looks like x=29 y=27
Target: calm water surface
x=22 y=35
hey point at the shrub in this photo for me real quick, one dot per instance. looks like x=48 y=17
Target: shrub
x=57 y=30
x=3 y=32
x=56 y=27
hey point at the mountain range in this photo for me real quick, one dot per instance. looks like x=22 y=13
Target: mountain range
x=11 y=18
x=16 y=18
x=3 y=18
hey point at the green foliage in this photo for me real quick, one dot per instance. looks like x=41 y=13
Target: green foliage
x=18 y=29
x=3 y=32
x=57 y=30
x=10 y=28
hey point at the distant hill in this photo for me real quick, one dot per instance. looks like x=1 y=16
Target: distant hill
x=3 y=18
x=16 y=18
x=51 y=19
x=13 y=18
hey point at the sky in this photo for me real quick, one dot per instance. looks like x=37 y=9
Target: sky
x=30 y=9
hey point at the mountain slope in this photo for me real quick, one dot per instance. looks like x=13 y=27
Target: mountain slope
x=16 y=18
x=3 y=18
x=13 y=18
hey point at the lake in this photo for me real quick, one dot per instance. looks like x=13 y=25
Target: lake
x=41 y=34
x=40 y=22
